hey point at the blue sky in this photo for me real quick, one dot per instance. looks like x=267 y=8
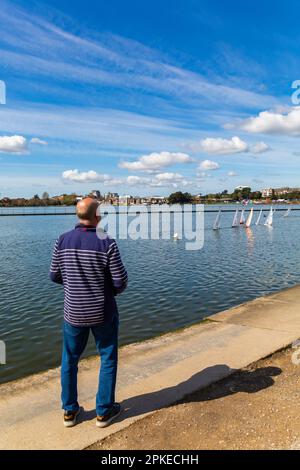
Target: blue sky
x=148 y=97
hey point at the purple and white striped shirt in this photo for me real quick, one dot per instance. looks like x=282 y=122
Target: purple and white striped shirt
x=92 y=273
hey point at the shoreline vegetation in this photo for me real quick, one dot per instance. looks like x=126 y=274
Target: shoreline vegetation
x=224 y=197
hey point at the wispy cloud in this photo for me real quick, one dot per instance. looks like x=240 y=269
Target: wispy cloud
x=94 y=128
x=36 y=140
x=32 y=46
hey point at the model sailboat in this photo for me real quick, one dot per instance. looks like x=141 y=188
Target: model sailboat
x=242 y=219
x=235 y=222
x=269 y=221
x=217 y=224
x=249 y=219
x=287 y=213
x=259 y=217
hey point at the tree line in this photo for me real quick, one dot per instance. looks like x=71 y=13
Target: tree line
x=37 y=201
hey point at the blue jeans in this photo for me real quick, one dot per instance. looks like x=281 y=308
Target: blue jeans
x=75 y=340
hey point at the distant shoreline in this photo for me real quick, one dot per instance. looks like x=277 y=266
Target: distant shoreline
x=207 y=203
x=67 y=210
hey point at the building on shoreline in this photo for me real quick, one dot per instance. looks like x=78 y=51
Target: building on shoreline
x=271 y=192
x=267 y=192
x=285 y=190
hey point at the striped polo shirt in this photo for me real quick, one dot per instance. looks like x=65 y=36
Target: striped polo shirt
x=92 y=273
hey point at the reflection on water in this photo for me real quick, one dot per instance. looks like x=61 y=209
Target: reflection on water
x=169 y=286
x=250 y=240
x=269 y=233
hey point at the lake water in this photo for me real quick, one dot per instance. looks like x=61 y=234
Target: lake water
x=169 y=287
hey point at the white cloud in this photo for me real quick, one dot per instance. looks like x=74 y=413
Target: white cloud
x=169 y=180
x=85 y=176
x=13 y=144
x=269 y=122
x=159 y=180
x=219 y=146
x=231 y=173
x=137 y=180
x=169 y=177
x=156 y=161
x=208 y=165
x=259 y=147
x=17 y=144
x=36 y=140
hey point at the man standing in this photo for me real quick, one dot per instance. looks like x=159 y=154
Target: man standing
x=92 y=273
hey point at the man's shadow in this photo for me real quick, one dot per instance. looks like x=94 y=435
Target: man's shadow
x=211 y=383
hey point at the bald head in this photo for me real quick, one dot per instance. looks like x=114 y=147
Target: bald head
x=86 y=211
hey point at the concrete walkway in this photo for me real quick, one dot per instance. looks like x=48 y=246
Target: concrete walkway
x=152 y=374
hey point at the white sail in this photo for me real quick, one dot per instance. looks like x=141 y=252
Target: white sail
x=242 y=219
x=249 y=219
x=287 y=213
x=259 y=217
x=269 y=221
x=217 y=221
x=235 y=222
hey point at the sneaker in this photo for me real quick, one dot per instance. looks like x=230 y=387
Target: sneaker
x=105 y=420
x=70 y=418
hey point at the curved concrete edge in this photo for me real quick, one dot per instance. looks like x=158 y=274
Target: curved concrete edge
x=41 y=378
x=152 y=374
